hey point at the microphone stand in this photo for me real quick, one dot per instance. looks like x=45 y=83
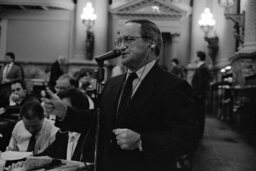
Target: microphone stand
x=99 y=87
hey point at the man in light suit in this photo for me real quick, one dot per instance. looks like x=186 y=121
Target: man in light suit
x=147 y=115
x=9 y=73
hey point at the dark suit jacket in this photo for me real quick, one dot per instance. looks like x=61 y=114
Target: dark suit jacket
x=200 y=81
x=10 y=110
x=177 y=70
x=15 y=73
x=161 y=110
x=56 y=72
x=58 y=149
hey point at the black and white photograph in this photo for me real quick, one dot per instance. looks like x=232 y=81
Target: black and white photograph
x=127 y=85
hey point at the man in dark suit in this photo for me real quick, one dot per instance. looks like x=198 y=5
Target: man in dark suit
x=200 y=84
x=18 y=97
x=176 y=69
x=9 y=73
x=147 y=115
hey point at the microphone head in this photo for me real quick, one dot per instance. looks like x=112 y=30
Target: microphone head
x=109 y=55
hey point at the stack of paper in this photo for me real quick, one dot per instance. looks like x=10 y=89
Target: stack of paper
x=14 y=155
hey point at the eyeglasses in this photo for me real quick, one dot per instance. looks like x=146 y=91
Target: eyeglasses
x=127 y=40
x=61 y=88
x=15 y=89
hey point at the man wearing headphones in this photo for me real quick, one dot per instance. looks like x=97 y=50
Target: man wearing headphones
x=147 y=115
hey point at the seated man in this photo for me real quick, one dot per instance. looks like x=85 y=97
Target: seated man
x=9 y=115
x=65 y=82
x=67 y=145
x=18 y=97
x=34 y=132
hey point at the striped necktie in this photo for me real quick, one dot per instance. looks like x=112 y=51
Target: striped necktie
x=125 y=98
x=32 y=143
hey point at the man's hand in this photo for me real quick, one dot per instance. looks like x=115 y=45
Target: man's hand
x=54 y=105
x=2 y=110
x=15 y=98
x=127 y=139
x=6 y=80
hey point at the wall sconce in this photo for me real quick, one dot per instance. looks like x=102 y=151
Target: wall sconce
x=88 y=18
x=237 y=18
x=207 y=23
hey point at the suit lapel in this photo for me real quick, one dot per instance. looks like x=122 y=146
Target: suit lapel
x=11 y=71
x=144 y=93
x=113 y=97
x=1 y=74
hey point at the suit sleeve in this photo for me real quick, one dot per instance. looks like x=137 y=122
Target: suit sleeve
x=180 y=134
x=76 y=120
x=202 y=82
x=52 y=150
x=49 y=151
x=13 y=143
x=19 y=73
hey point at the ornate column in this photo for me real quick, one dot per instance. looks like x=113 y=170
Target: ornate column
x=250 y=28
x=174 y=46
x=101 y=27
x=80 y=32
x=3 y=37
x=197 y=38
x=244 y=61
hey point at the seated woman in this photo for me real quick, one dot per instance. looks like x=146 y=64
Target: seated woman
x=34 y=132
x=68 y=145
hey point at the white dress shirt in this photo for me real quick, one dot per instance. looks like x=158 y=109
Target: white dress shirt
x=6 y=70
x=73 y=138
x=21 y=137
x=141 y=74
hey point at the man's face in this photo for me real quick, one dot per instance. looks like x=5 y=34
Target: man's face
x=196 y=59
x=67 y=101
x=134 y=48
x=18 y=91
x=34 y=125
x=174 y=64
x=85 y=81
x=62 y=60
x=7 y=59
x=62 y=84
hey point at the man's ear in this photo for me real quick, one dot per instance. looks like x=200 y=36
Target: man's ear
x=152 y=44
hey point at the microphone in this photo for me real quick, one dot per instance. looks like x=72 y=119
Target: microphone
x=109 y=55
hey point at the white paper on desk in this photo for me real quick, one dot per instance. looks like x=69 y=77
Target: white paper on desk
x=14 y=155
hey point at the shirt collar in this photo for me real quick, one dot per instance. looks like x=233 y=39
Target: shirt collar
x=143 y=71
x=9 y=64
x=199 y=64
x=43 y=127
x=73 y=136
